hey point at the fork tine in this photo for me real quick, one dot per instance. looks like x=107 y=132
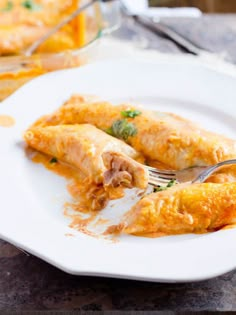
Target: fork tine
x=162 y=175
x=160 y=178
x=155 y=180
x=166 y=172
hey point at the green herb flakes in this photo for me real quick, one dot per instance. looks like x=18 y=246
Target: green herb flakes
x=122 y=129
x=131 y=113
x=109 y=131
x=53 y=160
x=161 y=188
x=8 y=7
x=31 y=5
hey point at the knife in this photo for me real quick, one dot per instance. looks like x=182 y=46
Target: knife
x=158 y=27
x=164 y=30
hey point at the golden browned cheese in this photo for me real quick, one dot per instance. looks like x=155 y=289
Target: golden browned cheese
x=23 y=22
x=168 y=138
x=182 y=209
x=100 y=157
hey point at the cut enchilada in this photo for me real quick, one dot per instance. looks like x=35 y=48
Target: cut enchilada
x=197 y=208
x=104 y=161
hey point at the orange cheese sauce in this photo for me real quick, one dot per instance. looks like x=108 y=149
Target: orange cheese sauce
x=6 y=121
x=82 y=224
x=157 y=164
x=79 y=223
x=87 y=196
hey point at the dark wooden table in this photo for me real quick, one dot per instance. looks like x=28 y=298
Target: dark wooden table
x=27 y=283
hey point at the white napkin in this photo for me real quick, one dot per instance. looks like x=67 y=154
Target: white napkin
x=140 y=7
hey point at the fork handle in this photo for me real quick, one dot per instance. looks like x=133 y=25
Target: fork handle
x=210 y=170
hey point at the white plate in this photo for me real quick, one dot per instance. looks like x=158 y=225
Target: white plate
x=32 y=197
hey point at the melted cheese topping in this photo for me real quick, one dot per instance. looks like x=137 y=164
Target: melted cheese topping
x=197 y=208
x=165 y=137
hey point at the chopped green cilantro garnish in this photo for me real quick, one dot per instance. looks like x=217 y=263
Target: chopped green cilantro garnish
x=8 y=7
x=109 y=131
x=171 y=183
x=122 y=129
x=131 y=113
x=161 y=188
x=31 y=5
x=53 y=160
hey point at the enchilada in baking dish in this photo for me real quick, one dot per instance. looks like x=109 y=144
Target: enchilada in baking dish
x=24 y=22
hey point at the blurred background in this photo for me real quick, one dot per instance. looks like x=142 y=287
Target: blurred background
x=211 y=6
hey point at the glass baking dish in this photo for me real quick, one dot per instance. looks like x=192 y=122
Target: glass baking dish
x=99 y=19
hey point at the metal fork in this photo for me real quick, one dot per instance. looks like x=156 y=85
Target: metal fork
x=195 y=174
